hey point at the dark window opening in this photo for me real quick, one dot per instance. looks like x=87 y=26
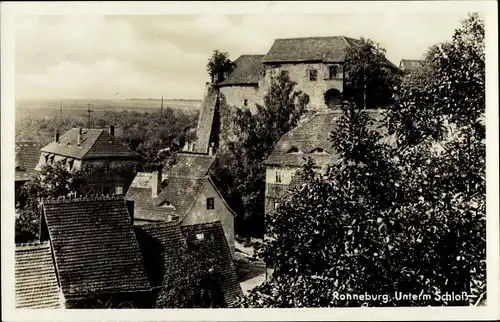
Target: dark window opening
x=210 y=203
x=106 y=190
x=313 y=75
x=285 y=74
x=278 y=176
x=106 y=168
x=245 y=102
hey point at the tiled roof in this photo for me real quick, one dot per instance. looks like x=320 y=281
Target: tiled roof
x=246 y=71
x=185 y=181
x=95 y=143
x=160 y=243
x=214 y=249
x=310 y=134
x=410 y=64
x=320 y=49
x=181 y=193
x=205 y=121
x=191 y=165
x=95 y=248
x=324 y=49
x=27 y=156
x=36 y=282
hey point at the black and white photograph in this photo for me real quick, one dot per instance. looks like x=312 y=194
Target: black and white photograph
x=213 y=159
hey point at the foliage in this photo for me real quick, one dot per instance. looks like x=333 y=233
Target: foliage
x=219 y=66
x=239 y=171
x=51 y=182
x=367 y=71
x=404 y=217
x=153 y=135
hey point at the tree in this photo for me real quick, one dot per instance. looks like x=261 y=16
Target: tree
x=239 y=171
x=51 y=182
x=369 y=77
x=400 y=218
x=219 y=66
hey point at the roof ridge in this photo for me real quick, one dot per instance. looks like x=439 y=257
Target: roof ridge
x=96 y=197
x=310 y=37
x=32 y=245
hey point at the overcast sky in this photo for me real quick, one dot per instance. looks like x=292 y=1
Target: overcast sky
x=91 y=56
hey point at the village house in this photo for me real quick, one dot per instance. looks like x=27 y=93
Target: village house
x=184 y=193
x=309 y=139
x=27 y=154
x=91 y=256
x=410 y=64
x=110 y=165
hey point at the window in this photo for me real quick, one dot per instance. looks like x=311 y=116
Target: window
x=210 y=203
x=245 y=102
x=333 y=72
x=106 y=168
x=46 y=158
x=276 y=205
x=313 y=75
x=284 y=73
x=51 y=159
x=119 y=190
x=134 y=167
x=70 y=164
x=293 y=150
x=88 y=168
x=278 y=176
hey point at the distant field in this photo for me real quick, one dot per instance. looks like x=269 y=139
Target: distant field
x=50 y=108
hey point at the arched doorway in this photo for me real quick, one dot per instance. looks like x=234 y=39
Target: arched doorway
x=332 y=98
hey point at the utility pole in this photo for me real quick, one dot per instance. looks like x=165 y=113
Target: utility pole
x=88 y=116
x=161 y=108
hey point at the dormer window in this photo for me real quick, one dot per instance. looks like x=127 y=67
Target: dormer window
x=167 y=204
x=318 y=150
x=294 y=150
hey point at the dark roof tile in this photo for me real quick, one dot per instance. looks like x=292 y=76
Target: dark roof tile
x=95 y=248
x=35 y=277
x=213 y=248
x=310 y=134
x=27 y=156
x=246 y=71
x=95 y=143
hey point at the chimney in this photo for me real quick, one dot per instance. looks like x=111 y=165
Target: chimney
x=112 y=130
x=79 y=141
x=130 y=208
x=57 y=136
x=156 y=182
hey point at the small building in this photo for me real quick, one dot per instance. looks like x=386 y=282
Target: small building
x=110 y=164
x=410 y=64
x=27 y=154
x=180 y=259
x=309 y=139
x=184 y=193
x=35 y=277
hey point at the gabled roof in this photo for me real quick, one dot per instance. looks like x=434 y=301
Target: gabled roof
x=27 y=155
x=94 y=245
x=246 y=72
x=411 y=64
x=35 y=277
x=214 y=249
x=95 y=143
x=184 y=183
x=311 y=133
x=205 y=121
x=321 y=49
